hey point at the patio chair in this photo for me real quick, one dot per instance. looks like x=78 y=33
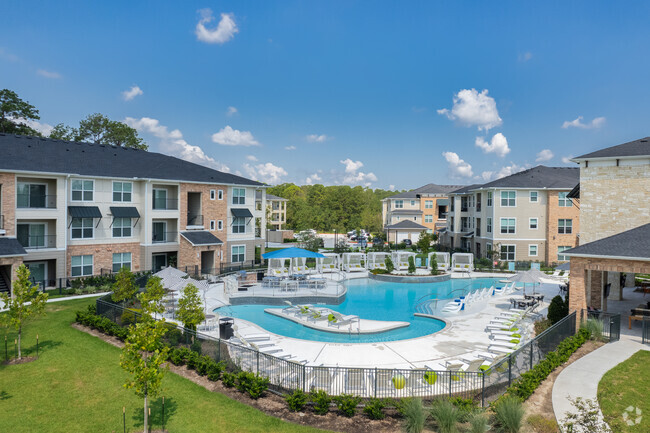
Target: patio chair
x=384 y=381
x=321 y=378
x=355 y=381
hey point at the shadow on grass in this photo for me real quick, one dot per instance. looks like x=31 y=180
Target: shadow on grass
x=156 y=418
x=43 y=346
x=4 y=395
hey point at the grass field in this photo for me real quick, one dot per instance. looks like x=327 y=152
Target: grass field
x=626 y=385
x=76 y=386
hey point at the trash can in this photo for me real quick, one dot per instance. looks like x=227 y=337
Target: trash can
x=226 y=328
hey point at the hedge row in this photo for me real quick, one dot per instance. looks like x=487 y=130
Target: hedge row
x=100 y=323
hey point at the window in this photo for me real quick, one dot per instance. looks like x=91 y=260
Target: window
x=428 y=218
x=31 y=195
x=220 y=194
x=508 y=225
x=488 y=223
x=213 y=224
x=31 y=235
x=238 y=253
x=565 y=226
x=533 y=196
x=399 y=204
x=82 y=190
x=532 y=250
x=560 y=250
x=508 y=253
x=532 y=223
x=213 y=194
x=488 y=249
x=160 y=199
x=82 y=228
x=122 y=227
x=121 y=260
x=508 y=198
x=489 y=198
x=412 y=202
x=239 y=225
x=238 y=196
x=81 y=266
x=122 y=191
x=562 y=200
x=428 y=204
x=429 y=231
x=159 y=231
x=220 y=225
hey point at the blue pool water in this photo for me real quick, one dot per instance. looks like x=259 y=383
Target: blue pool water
x=368 y=299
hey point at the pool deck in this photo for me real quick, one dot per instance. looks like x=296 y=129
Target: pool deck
x=464 y=334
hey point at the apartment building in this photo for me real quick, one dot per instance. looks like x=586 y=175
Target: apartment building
x=525 y=217
x=425 y=208
x=276 y=210
x=75 y=209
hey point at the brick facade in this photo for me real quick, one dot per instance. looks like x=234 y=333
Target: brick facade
x=103 y=255
x=190 y=256
x=553 y=238
x=8 y=203
x=14 y=262
x=210 y=209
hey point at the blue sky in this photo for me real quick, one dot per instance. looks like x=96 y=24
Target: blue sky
x=383 y=94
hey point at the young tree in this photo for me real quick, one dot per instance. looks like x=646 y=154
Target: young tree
x=151 y=300
x=411 y=269
x=190 y=308
x=18 y=311
x=434 y=265
x=14 y=114
x=124 y=287
x=424 y=242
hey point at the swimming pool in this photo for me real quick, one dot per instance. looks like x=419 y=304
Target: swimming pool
x=368 y=299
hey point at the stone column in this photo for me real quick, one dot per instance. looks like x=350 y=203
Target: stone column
x=629 y=280
x=616 y=291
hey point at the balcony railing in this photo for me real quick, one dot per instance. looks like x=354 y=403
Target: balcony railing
x=163 y=237
x=34 y=242
x=35 y=201
x=194 y=220
x=258 y=232
x=165 y=204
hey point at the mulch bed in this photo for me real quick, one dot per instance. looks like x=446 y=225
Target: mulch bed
x=275 y=405
x=23 y=360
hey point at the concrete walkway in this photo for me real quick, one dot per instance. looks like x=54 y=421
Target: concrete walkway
x=581 y=378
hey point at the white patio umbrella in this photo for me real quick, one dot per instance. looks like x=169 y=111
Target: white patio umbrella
x=532 y=276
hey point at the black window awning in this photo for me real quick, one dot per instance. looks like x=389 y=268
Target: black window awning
x=125 y=212
x=241 y=213
x=84 y=212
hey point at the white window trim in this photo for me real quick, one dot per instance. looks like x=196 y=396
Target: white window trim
x=565 y=226
x=530 y=198
x=565 y=199
x=92 y=272
x=82 y=192
x=29 y=224
x=121 y=261
x=490 y=225
x=112 y=227
x=213 y=194
x=113 y=191
x=238 y=197
x=213 y=225
x=501 y=225
x=489 y=200
x=220 y=225
x=220 y=194
x=530 y=220
x=514 y=252
x=536 y=250
x=507 y=190
x=426 y=204
x=82 y=238
x=231 y=254
x=425 y=218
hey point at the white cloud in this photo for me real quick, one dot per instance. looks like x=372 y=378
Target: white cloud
x=134 y=91
x=315 y=138
x=313 y=179
x=577 y=123
x=353 y=176
x=251 y=158
x=267 y=173
x=498 y=145
x=231 y=111
x=391 y=187
x=525 y=56
x=8 y=56
x=224 y=32
x=472 y=108
x=567 y=159
x=457 y=167
x=233 y=137
x=289 y=147
x=172 y=142
x=544 y=155
x=503 y=172
x=43 y=128
x=48 y=74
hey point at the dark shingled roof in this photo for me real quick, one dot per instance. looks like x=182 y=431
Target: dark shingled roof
x=467 y=188
x=258 y=196
x=10 y=247
x=430 y=188
x=406 y=212
x=539 y=177
x=201 y=237
x=406 y=225
x=38 y=154
x=640 y=147
x=631 y=244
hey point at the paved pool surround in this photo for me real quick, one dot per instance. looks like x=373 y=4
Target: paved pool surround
x=414 y=279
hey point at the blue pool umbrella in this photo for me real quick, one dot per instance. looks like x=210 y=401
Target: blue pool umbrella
x=291 y=253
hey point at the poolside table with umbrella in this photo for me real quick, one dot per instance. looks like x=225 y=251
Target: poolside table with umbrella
x=532 y=276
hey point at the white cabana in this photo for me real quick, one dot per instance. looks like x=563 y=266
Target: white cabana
x=299 y=265
x=330 y=263
x=401 y=259
x=352 y=262
x=377 y=260
x=277 y=268
x=442 y=259
x=463 y=262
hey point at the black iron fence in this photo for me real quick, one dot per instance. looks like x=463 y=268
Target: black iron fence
x=611 y=323
x=198 y=272
x=645 y=330
x=286 y=375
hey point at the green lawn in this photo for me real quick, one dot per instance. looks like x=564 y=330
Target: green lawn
x=76 y=386
x=627 y=384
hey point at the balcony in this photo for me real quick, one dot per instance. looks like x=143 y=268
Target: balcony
x=35 y=201
x=464 y=208
x=164 y=237
x=165 y=203
x=194 y=220
x=478 y=207
x=36 y=242
x=258 y=232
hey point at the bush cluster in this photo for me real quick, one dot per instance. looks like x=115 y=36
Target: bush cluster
x=100 y=323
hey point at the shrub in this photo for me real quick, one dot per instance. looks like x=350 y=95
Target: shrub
x=434 y=265
x=257 y=386
x=347 y=404
x=176 y=357
x=446 y=416
x=414 y=414
x=411 y=269
x=541 y=326
x=129 y=317
x=375 y=408
x=296 y=400
x=244 y=379
x=215 y=370
x=203 y=365
x=321 y=402
x=478 y=423
x=557 y=309
x=586 y=419
x=390 y=266
x=228 y=379
x=192 y=360
x=465 y=406
x=594 y=327
x=196 y=346
x=541 y=424
x=509 y=414
x=173 y=336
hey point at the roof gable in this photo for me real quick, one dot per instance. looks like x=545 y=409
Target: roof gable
x=640 y=147
x=634 y=243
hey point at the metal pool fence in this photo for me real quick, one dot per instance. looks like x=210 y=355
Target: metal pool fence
x=287 y=375
x=611 y=323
